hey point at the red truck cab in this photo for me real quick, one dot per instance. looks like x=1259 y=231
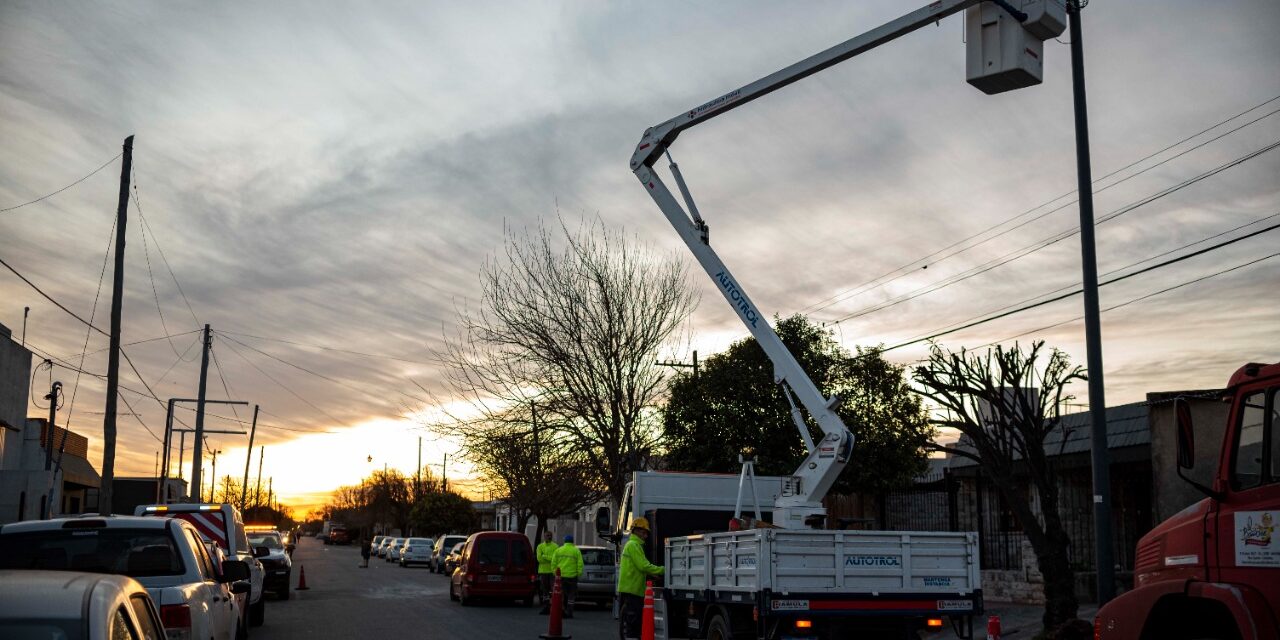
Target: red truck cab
x=1213 y=569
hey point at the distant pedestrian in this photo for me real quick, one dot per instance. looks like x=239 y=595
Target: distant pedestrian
x=546 y=553
x=632 y=572
x=366 y=548
x=569 y=561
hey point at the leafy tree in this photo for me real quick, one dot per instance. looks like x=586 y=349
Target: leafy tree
x=734 y=407
x=442 y=512
x=1004 y=431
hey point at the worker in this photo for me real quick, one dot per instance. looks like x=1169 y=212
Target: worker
x=546 y=553
x=634 y=569
x=569 y=562
x=366 y=549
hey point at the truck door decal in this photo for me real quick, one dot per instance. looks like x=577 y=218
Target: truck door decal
x=1255 y=539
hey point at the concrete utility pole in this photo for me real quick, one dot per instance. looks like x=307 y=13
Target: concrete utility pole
x=46 y=506
x=213 y=474
x=113 y=351
x=197 y=451
x=1100 y=456
x=248 y=456
x=417 y=478
x=257 y=492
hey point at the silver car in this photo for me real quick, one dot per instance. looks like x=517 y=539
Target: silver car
x=76 y=606
x=391 y=549
x=416 y=551
x=599 y=580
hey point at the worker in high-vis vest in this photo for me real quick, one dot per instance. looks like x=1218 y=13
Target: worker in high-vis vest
x=546 y=554
x=633 y=570
x=569 y=562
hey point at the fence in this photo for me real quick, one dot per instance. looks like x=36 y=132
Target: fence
x=950 y=502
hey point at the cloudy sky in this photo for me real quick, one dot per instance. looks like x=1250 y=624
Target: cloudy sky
x=331 y=176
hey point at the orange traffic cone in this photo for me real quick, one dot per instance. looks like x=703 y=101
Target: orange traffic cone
x=555 y=625
x=302 y=579
x=646 y=620
x=993 y=627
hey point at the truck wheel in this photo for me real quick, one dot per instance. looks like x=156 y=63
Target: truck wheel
x=718 y=629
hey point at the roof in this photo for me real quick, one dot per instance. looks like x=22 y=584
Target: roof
x=1127 y=426
x=110 y=522
x=26 y=593
x=78 y=470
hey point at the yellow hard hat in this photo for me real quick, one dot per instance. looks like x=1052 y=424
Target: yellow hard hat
x=640 y=523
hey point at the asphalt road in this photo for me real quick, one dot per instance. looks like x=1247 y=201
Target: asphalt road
x=386 y=601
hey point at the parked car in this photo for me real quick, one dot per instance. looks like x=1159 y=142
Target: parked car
x=375 y=545
x=416 y=551
x=497 y=564
x=392 y=551
x=167 y=556
x=339 y=535
x=382 y=546
x=599 y=580
x=277 y=564
x=76 y=606
x=221 y=525
x=440 y=552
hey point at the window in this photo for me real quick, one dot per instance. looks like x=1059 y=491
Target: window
x=598 y=557
x=145 y=621
x=132 y=552
x=120 y=629
x=490 y=551
x=202 y=556
x=1274 y=417
x=1248 y=462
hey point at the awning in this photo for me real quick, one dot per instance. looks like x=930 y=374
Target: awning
x=78 y=470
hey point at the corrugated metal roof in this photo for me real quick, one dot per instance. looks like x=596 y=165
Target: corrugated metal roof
x=1127 y=426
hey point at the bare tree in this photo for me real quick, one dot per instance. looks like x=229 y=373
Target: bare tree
x=576 y=329
x=1003 y=428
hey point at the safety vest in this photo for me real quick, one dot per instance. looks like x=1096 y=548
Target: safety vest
x=634 y=568
x=547 y=557
x=569 y=560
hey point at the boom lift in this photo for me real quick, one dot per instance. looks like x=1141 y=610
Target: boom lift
x=800 y=504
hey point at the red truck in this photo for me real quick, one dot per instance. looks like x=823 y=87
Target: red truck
x=1213 y=569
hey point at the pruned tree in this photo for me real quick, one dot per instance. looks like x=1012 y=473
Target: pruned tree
x=1003 y=428
x=572 y=321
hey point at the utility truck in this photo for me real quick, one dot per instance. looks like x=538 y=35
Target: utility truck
x=793 y=578
x=1213 y=569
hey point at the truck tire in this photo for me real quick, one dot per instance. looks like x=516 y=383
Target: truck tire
x=718 y=629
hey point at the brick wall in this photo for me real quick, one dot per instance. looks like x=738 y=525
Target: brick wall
x=77 y=444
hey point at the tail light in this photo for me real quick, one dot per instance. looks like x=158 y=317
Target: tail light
x=175 y=615
x=1097 y=628
x=933 y=623
x=804 y=624
x=755 y=614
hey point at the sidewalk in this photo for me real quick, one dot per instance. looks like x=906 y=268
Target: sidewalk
x=1017 y=621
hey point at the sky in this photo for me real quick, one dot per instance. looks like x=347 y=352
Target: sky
x=322 y=183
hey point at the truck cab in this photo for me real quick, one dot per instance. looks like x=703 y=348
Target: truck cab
x=1213 y=569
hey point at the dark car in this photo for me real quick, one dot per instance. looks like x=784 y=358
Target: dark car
x=495 y=564
x=444 y=544
x=277 y=566
x=339 y=535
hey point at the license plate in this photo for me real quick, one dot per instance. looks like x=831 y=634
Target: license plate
x=495 y=578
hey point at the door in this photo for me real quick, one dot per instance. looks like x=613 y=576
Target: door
x=213 y=612
x=1248 y=520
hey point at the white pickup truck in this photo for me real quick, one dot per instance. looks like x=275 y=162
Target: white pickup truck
x=196 y=598
x=772 y=583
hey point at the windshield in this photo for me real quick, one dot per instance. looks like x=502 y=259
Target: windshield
x=597 y=556
x=270 y=541
x=137 y=553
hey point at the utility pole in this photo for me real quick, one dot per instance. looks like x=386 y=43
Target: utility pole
x=213 y=473
x=168 y=444
x=113 y=351
x=25 y=312
x=417 y=479
x=1092 y=322
x=46 y=507
x=271 y=492
x=248 y=456
x=444 y=473
x=197 y=451
x=680 y=365
x=257 y=492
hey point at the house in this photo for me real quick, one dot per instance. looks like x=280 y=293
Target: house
x=44 y=469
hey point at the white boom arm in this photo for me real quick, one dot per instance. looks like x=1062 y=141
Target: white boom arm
x=801 y=501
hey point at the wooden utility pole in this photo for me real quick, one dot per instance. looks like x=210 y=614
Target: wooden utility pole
x=248 y=456
x=197 y=450
x=257 y=493
x=113 y=351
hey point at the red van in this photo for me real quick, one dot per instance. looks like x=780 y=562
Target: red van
x=496 y=564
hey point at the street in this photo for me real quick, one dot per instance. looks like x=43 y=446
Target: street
x=386 y=601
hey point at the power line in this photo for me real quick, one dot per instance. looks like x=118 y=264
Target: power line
x=92 y=313
x=54 y=193
x=1143 y=297
x=867 y=286
x=281 y=384
x=1069 y=294
x=147 y=228
x=1054 y=239
x=146 y=252
x=1128 y=266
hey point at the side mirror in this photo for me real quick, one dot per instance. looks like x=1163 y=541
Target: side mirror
x=234 y=571
x=1186 y=434
x=261 y=552
x=241 y=587
x=604 y=525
